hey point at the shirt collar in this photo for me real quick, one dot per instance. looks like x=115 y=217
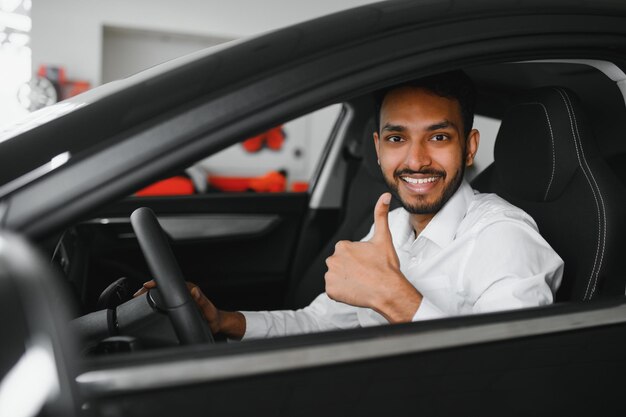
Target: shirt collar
x=442 y=228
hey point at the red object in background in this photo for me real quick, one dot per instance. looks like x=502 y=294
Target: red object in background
x=299 y=186
x=253 y=144
x=74 y=88
x=273 y=139
x=272 y=182
x=56 y=75
x=229 y=184
x=172 y=186
x=65 y=88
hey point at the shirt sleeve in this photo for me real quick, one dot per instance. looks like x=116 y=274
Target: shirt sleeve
x=322 y=314
x=511 y=266
x=428 y=311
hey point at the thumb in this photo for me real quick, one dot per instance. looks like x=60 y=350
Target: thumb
x=198 y=297
x=202 y=302
x=381 y=222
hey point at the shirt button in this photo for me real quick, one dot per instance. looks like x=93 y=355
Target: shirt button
x=413 y=259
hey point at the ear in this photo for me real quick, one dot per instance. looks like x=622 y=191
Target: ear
x=471 y=147
x=376 y=145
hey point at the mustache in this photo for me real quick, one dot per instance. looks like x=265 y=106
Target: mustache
x=426 y=171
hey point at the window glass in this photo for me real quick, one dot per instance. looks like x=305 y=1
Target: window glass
x=488 y=128
x=281 y=159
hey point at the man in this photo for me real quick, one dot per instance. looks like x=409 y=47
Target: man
x=447 y=251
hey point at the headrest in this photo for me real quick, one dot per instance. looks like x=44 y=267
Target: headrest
x=370 y=159
x=361 y=145
x=543 y=140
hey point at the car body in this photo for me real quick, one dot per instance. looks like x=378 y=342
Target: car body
x=67 y=172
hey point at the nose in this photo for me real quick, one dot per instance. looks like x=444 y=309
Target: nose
x=417 y=156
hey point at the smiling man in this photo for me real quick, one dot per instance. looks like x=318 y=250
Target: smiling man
x=447 y=251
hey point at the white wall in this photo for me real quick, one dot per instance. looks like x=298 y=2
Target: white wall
x=15 y=55
x=488 y=129
x=128 y=51
x=69 y=32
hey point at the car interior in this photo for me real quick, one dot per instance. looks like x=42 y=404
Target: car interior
x=557 y=155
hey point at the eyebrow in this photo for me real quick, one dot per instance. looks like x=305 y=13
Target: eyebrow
x=444 y=124
x=393 y=128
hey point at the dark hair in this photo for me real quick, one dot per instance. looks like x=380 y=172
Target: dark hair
x=454 y=85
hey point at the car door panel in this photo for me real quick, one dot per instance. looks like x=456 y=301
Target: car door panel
x=237 y=247
x=192 y=228
x=562 y=372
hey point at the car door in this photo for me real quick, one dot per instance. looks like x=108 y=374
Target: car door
x=236 y=247
x=564 y=360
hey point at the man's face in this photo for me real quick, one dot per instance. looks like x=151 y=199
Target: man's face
x=421 y=148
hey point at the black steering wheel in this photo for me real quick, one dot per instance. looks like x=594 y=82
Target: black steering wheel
x=189 y=325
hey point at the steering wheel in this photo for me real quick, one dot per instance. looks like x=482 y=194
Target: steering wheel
x=189 y=325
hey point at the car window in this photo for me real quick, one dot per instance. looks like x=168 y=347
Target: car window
x=488 y=128
x=280 y=159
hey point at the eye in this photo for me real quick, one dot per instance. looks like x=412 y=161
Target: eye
x=439 y=137
x=394 y=139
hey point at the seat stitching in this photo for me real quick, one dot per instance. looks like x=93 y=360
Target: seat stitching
x=545 y=197
x=596 y=265
x=578 y=155
x=603 y=212
x=588 y=181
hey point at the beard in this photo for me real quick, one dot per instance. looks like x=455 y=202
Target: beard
x=421 y=206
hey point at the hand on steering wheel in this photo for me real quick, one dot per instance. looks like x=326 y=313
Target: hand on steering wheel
x=207 y=308
x=189 y=325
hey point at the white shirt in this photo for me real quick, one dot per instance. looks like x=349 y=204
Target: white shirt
x=478 y=254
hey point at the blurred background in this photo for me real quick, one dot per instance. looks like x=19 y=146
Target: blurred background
x=51 y=50
x=94 y=42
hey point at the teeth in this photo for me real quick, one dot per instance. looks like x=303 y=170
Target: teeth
x=419 y=180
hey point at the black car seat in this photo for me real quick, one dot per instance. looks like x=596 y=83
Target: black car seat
x=365 y=186
x=547 y=163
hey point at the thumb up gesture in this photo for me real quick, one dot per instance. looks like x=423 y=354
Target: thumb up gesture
x=367 y=274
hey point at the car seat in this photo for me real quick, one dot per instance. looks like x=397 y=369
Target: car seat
x=547 y=163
